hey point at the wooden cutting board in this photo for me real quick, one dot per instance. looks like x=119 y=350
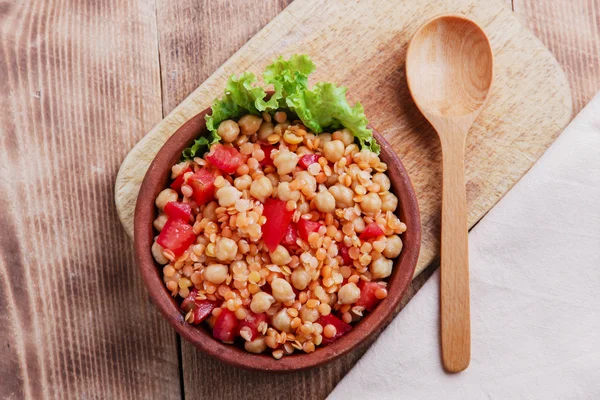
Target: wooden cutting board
x=362 y=45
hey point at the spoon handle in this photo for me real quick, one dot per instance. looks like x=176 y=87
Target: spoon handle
x=454 y=282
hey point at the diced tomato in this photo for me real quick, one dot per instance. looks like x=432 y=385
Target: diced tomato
x=202 y=308
x=278 y=219
x=371 y=231
x=225 y=157
x=176 y=185
x=176 y=210
x=190 y=301
x=251 y=322
x=306 y=227
x=307 y=160
x=226 y=326
x=290 y=236
x=177 y=236
x=341 y=328
x=267 y=150
x=343 y=251
x=367 y=299
x=203 y=185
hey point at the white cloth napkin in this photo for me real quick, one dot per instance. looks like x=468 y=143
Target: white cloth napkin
x=535 y=294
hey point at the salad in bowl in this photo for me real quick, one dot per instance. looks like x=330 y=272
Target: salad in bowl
x=278 y=229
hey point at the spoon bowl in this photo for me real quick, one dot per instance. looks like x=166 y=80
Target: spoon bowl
x=452 y=63
x=449 y=69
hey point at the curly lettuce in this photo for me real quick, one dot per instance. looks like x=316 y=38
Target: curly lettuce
x=326 y=107
x=323 y=107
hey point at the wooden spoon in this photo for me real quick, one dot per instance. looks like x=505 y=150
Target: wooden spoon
x=449 y=69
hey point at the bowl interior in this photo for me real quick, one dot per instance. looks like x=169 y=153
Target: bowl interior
x=157 y=178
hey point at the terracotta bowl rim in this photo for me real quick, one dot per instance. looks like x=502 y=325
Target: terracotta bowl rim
x=156 y=179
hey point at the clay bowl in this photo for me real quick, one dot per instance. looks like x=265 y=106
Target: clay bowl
x=157 y=178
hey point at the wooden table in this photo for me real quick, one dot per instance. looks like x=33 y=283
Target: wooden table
x=82 y=81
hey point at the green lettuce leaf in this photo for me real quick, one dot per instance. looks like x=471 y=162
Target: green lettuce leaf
x=326 y=107
x=241 y=97
x=289 y=77
x=200 y=146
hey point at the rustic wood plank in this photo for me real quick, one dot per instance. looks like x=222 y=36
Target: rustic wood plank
x=196 y=37
x=79 y=86
x=571 y=30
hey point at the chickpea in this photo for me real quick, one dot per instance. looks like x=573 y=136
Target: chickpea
x=227 y=196
x=281 y=321
x=371 y=203
x=381 y=268
x=157 y=253
x=164 y=197
x=210 y=211
x=261 y=302
x=310 y=183
x=280 y=117
x=343 y=195
x=160 y=221
x=228 y=130
x=382 y=180
x=348 y=294
x=393 y=246
x=344 y=135
x=309 y=314
x=216 y=273
x=242 y=182
x=333 y=150
x=389 y=202
x=226 y=249
x=286 y=194
x=323 y=139
x=265 y=130
x=325 y=202
x=261 y=188
x=285 y=161
x=249 y=124
x=256 y=346
x=282 y=290
x=300 y=278
x=366 y=156
x=280 y=256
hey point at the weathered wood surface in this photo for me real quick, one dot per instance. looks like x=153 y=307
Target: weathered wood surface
x=571 y=30
x=79 y=86
x=93 y=334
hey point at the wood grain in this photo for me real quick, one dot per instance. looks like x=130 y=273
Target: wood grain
x=79 y=86
x=571 y=30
